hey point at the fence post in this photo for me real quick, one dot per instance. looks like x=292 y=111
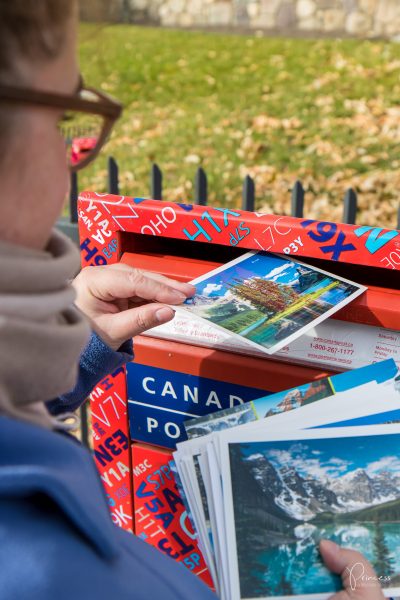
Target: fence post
x=297 y=200
x=350 y=207
x=113 y=180
x=69 y=224
x=73 y=219
x=248 y=194
x=155 y=182
x=83 y=414
x=200 y=187
x=73 y=198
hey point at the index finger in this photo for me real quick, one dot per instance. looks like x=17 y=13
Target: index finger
x=109 y=284
x=186 y=288
x=358 y=576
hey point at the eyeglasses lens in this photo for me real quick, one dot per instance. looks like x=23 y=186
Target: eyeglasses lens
x=81 y=132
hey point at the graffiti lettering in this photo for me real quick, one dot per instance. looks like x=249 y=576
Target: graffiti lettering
x=392 y=261
x=112 y=446
x=293 y=246
x=200 y=230
x=161 y=222
x=377 y=237
x=324 y=232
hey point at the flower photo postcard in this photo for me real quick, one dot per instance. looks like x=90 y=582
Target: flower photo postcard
x=267 y=300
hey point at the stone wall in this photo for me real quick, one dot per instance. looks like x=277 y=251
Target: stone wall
x=359 y=18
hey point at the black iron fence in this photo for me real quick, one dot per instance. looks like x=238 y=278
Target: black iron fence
x=69 y=224
x=201 y=192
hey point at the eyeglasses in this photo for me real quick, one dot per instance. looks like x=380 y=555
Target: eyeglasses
x=88 y=118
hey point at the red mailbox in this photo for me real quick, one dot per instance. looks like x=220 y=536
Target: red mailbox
x=180 y=374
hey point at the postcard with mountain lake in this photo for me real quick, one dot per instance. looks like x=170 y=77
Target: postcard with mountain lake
x=284 y=496
x=268 y=300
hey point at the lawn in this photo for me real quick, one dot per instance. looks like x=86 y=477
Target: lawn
x=324 y=111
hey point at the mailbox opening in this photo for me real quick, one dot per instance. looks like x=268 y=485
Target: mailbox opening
x=216 y=254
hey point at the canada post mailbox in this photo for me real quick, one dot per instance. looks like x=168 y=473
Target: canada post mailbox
x=181 y=370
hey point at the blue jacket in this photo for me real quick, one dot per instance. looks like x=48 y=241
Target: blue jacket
x=57 y=540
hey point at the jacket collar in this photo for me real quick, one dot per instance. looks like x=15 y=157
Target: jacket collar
x=33 y=459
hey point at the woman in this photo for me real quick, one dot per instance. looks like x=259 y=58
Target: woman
x=56 y=537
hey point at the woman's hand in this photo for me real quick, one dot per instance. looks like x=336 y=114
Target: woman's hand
x=360 y=582
x=123 y=302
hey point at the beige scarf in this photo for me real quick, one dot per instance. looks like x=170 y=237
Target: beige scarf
x=41 y=333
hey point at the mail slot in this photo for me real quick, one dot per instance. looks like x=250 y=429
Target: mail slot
x=180 y=371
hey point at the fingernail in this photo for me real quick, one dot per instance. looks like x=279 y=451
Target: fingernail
x=330 y=545
x=177 y=296
x=164 y=314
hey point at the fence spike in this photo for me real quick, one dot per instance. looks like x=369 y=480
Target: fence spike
x=156 y=182
x=200 y=187
x=248 y=194
x=297 y=200
x=73 y=198
x=113 y=182
x=83 y=414
x=349 y=207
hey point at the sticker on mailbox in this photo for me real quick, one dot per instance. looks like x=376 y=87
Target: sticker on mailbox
x=159 y=401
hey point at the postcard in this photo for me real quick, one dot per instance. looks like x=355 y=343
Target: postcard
x=293 y=398
x=268 y=300
x=387 y=407
x=217 y=512
x=368 y=401
x=283 y=495
x=189 y=474
x=195 y=522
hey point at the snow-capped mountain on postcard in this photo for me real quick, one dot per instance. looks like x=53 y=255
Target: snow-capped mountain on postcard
x=304 y=496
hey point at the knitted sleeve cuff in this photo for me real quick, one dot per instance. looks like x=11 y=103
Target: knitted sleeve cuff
x=96 y=362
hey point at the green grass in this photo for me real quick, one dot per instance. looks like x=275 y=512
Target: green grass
x=326 y=111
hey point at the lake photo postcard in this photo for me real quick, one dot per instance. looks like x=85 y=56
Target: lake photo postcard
x=284 y=495
x=268 y=300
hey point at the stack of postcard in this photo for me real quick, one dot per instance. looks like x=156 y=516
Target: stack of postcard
x=266 y=481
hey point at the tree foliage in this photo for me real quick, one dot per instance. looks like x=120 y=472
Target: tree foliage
x=383 y=562
x=265 y=294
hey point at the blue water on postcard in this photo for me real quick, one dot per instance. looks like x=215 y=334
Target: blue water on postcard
x=297 y=568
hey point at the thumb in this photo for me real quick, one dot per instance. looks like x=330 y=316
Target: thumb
x=358 y=577
x=118 y=327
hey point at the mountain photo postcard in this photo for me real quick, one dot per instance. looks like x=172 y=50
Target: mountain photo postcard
x=268 y=300
x=282 y=496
